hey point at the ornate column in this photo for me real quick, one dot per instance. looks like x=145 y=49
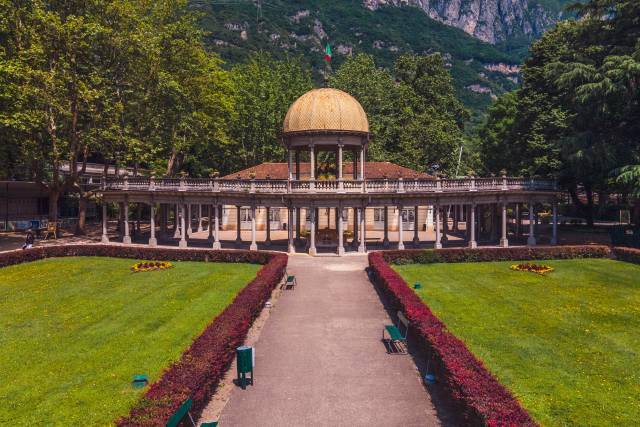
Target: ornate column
x=445 y=224
x=183 y=229
x=291 y=248
x=362 y=163
x=456 y=218
x=177 y=233
x=385 y=241
x=554 y=229
x=400 y=236
x=216 y=229
x=312 y=232
x=503 y=240
x=363 y=247
x=105 y=236
x=312 y=166
x=297 y=166
x=416 y=237
x=126 y=238
x=356 y=225
x=152 y=222
x=268 y=238
x=254 y=244
x=289 y=162
x=531 y=240
x=340 y=232
x=199 y=218
x=438 y=243
x=189 y=217
x=472 y=226
x=238 y=225
x=518 y=222
x=298 y=226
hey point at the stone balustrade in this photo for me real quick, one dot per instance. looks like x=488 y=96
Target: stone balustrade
x=281 y=186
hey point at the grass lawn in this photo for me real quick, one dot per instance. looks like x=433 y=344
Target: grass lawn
x=567 y=343
x=74 y=331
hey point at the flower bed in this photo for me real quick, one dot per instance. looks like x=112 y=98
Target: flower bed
x=533 y=268
x=202 y=365
x=140 y=267
x=472 y=388
x=519 y=253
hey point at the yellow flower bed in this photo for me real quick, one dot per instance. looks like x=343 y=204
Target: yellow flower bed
x=534 y=268
x=150 y=266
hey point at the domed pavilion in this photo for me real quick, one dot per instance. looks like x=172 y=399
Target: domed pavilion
x=327 y=196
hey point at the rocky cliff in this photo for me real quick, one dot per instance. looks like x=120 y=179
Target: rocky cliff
x=491 y=21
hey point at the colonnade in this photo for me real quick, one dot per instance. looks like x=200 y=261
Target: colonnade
x=471 y=214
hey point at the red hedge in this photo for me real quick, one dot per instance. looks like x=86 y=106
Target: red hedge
x=203 y=364
x=473 y=389
x=631 y=255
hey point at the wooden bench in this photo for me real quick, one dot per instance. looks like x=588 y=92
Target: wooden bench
x=396 y=336
x=183 y=411
x=289 y=281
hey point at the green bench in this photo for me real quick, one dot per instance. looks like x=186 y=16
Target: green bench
x=397 y=340
x=290 y=281
x=183 y=411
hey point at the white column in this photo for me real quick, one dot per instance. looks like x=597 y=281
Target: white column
x=126 y=238
x=400 y=236
x=531 y=240
x=189 y=229
x=340 y=162
x=291 y=247
x=254 y=244
x=199 y=217
x=289 y=162
x=183 y=229
x=472 y=226
x=363 y=224
x=152 y=222
x=504 y=242
x=312 y=160
x=385 y=241
x=216 y=228
x=177 y=233
x=298 y=226
x=340 y=232
x=362 y=163
x=438 y=243
x=416 y=228
x=312 y=232
x=105 y=236
x=554 y=229
x=267 y=240
x=445 y=224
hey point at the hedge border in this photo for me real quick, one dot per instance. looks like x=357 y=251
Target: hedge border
x=472 y=389
x=201 y=367
x=631 y=255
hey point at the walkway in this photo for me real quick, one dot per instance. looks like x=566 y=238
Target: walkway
x=320 y=360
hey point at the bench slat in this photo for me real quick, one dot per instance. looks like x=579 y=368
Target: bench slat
x=394 y=333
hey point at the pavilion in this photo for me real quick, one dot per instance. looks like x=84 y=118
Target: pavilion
x=327 y=194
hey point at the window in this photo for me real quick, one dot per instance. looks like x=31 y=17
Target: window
x=408 y=215
x=245 y=214
x=274 y=214
x=378 y=214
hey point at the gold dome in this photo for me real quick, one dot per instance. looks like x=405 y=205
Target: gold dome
x=326 y=110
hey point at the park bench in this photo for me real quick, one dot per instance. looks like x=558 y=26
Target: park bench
x=183 y=411
x=289 y=281
x=52 y=230
x=396 y=336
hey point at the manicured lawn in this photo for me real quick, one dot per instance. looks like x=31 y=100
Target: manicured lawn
x=567 y=343
x=73 y=332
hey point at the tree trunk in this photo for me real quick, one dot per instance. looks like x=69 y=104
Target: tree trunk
x=54 y=195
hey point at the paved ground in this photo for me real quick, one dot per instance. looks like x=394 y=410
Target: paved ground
x=320 y=359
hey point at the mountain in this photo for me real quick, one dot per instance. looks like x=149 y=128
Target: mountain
x=481 y=70
x=491 y=21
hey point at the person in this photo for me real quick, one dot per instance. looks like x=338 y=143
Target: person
x=28 y=241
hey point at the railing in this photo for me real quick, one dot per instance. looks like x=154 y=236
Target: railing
x=282 y=186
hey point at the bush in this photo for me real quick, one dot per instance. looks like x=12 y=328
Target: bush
x=472 y=388
x=627 y=254
x=203 y=364
x=518 y=253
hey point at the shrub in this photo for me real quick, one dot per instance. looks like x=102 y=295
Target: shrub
x=518 y=253
x=627 y=254
x=202 y=365
x=472 y=388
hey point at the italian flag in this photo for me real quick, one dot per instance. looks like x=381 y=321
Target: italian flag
x=327 y=53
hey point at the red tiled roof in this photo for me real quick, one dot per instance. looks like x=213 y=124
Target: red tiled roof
x=373 y=170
